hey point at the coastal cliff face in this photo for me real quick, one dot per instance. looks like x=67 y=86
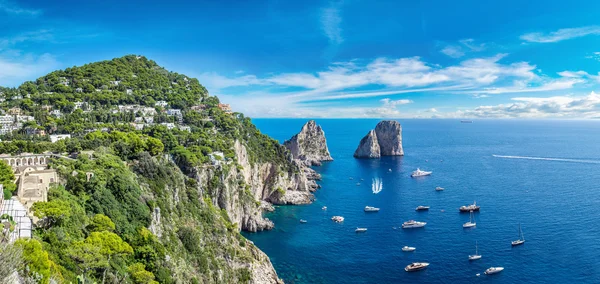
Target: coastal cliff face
x=368 y=147
x=384 y=140
x=244 y=190
x=310 y=145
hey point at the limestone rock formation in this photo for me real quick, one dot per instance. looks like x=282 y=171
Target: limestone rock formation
x=385 y=140
x=368 y=147
x=310 y=145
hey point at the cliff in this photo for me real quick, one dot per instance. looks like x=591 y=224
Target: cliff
x=309 y=145
x=385 y=140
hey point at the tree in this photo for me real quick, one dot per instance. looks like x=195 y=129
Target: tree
x=101 y=222
x=140 y=275
x=36 y=259
x=52 y=212
x=7 y=179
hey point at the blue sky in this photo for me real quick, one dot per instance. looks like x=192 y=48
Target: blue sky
x=401 y=59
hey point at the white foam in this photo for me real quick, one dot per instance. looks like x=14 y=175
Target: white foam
x=549 y=159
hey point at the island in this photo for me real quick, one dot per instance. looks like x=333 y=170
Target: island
x=384 y=140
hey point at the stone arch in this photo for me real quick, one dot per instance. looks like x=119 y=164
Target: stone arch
x=29 y=161
x=12 y=162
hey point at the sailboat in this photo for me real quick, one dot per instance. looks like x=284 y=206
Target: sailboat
x=377 y=185
x=470 y=224
x=475 y=256
x=521 y=239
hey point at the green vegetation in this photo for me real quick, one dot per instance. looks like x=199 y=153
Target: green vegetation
x=97 y=225
x=7 y=179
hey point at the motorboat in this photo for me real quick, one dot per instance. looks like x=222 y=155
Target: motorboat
x=416 y=266
x=324 y=208
x=468 y=208
x=471 y=223
x=371 y=209
x=303 y=221
x=439 y=188
x=413 y=224
x=493 y=270
x=377 y=185
x=408 y=249
x=420 y=173
x=422 y=208
x=475 y=256
x=338 y=219
x=521 y=239
x=360 y=230
x=358 y=184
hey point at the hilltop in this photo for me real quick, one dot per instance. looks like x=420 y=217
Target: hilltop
x=163 y=179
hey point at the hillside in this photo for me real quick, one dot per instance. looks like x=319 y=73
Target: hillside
x=164 y=179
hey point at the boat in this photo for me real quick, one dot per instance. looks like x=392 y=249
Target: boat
x=521 y=239
x=416 y=266
x=413 y=224
x=303 y=221
x=377 y=185
x=475 y=256
x=324 y=208
x=422 y=208
x=420 y=173
x=358 y=184
x=360 y=230
x=470 y=224
x=350 y=178
x=338 y=219
x=469 y=208
x=408 y=249
x=493 y=270
x=371 y=209
x=390 y=170
x=439 y=188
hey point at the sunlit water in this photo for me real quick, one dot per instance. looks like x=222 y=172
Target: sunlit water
x=542 y=174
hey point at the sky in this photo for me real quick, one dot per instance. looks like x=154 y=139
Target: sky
x=333 y=59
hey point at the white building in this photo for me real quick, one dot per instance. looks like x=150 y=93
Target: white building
x=56 y=113
x=129 y=91
x=54 y=138
x=161 y=104
x=168 y=125
x=25 y=118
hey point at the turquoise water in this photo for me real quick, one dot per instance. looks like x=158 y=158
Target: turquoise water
x=557 y=202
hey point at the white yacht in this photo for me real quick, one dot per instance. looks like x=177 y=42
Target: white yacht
x=439 y=188
x=408 y=249
x=420 y=173
x=521 y=239
x=324 y=208
x=413 y=224
x=371 y=209
x=377 y=185
x=475 y=256
x=338 y=219
x=469 y=208
x=471 y=223
x=416 y=266
x=493 y=270
x=303 y=221
x=422 y=208
x=360 y=230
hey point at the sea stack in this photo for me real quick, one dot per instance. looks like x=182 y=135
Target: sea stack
x=309 y=146
x=385 y=140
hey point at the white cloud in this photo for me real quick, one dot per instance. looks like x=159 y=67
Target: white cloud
x=453 y=51
x=14 y=71
x=464 y=46
x=14 y=9
x=524 y=87
x=594 y=56
x=534 y=107
x=330 y=22
x=560 y=35
x=580 y=74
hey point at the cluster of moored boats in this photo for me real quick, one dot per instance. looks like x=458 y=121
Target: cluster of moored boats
x=410 y=224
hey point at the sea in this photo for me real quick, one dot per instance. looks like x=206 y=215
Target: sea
x=541 y=174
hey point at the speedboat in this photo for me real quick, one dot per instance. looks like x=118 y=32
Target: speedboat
x=338 y=219
x=439 y=188
x=422 y=208
x=471 y=223
x=303 y=221
x=521 y=239
x=469 y=208
x=408 y=249
x=420 y=173
x=416 y=266
x=413 y=224
x=360 y=230
x=371 y=209
x=493 y=270
x=324 y=208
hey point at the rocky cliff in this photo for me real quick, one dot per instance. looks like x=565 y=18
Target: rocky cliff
x=310 y=145
x=385 y=140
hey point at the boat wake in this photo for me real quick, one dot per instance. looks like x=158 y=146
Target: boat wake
x=377 y=185
x=549 y=159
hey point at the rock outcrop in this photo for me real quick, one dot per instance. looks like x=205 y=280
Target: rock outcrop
x=310 y=145
x=384 y=140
